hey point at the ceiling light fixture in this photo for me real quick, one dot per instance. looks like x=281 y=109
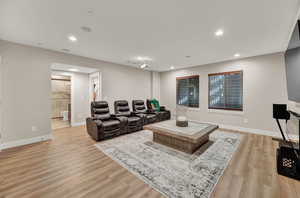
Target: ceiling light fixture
x=187 y=56
x=143 y=58
x=66 y=74
x=172 y=67
x=73 y=70
x=144 y=66
x=219 y=32
x=139 y=58
x=237 y=55
x=72 y=38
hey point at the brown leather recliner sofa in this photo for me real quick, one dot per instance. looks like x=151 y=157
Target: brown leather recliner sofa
x=148 y=116
x=134 y=122
x=163 y=114
x=102 y=124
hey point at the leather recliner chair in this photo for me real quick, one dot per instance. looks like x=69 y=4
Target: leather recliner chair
x=163 y=113
x=148 y=116
x=134 y=122
x=102 y=124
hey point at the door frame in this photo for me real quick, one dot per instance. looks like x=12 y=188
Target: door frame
x=1 y=101
x=63 y=73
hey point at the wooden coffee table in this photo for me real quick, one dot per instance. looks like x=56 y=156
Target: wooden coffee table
x=186 y=139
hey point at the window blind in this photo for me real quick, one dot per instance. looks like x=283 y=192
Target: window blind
x=187 y=89
x=226 y=90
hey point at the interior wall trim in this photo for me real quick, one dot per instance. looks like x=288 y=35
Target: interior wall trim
x=273 y=134
x=23 y=142
x=78 y=124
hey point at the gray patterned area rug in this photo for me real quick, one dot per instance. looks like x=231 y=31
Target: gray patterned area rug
x=173 y=173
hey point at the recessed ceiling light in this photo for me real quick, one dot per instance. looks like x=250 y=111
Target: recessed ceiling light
x=143 y=58
x=172 y=67
x=237 y=55
x=219 y=32
x=72 y=38
x=139 y=58
x=73 y=70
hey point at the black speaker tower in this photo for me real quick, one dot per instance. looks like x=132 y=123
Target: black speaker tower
x=288 y=161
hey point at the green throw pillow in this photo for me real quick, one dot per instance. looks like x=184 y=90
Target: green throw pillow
x=155 y=105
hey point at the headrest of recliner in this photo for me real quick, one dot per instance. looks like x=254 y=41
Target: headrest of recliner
x=122 y=107
x=138 y=102
x=100 y=109
x=121 y=103
x=99 y=104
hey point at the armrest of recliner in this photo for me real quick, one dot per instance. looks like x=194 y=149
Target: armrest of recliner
x=150 y=111
x=93 y=126
x=133 y=113
x=117 y=115
x=140 y=114
x=162 y=108
x=122 y=119
x=93 y=120
x=137 y=113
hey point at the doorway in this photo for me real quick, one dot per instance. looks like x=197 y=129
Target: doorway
x=61 y=101
x=73 y=89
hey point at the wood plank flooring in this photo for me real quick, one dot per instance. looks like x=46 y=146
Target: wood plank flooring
x=70 y=166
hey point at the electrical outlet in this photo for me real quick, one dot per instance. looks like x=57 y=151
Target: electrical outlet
x=246 y=120
x=33 y=128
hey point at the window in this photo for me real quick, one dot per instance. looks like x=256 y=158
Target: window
x=188 y=91
x=226 y=91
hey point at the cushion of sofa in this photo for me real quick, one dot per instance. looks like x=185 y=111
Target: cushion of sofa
x=134 y=120
x=111 y=125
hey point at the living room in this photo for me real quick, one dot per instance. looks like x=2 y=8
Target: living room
x=184 y=103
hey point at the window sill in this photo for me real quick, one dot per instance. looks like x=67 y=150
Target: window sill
x=193 y=109
x=223 y=111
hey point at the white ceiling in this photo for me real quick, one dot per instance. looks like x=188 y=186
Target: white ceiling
x=164 y=30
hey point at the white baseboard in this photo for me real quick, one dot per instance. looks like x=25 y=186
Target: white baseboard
x=78 y=124
x=253 y=131
x=23 y=142
x=257 y=131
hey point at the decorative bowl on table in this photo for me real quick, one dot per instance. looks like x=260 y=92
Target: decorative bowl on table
x=181 y=116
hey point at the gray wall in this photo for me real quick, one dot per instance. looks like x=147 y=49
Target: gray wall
x=27 y=87
x=292 y=60
x=264 y=84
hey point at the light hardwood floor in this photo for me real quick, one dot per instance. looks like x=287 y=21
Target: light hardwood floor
x=70 y=166
x=58 y=123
